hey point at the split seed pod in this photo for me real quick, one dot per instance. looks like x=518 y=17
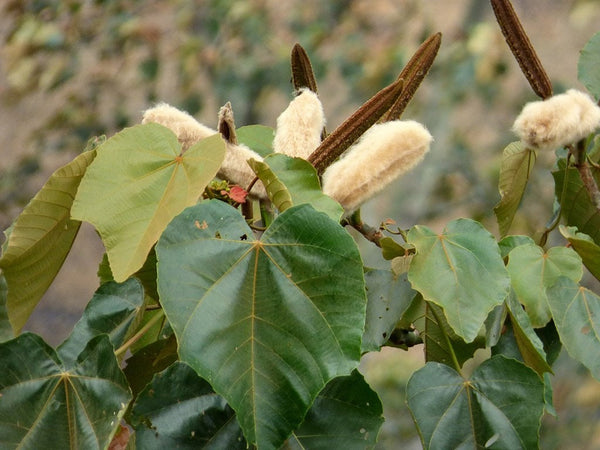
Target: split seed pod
x=558 y=121
x=384 y=153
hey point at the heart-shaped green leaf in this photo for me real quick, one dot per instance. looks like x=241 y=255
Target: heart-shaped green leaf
x=576 y=312
x=178 y=409
x=500 y=407
x=532 y=271
x=40 y=240
x=585 y=247
x=588 y=67
x=138 y=182
x=46 y=403
x=388 y=297
x=294 y=181
x=460 y=270
x=115 y=309
x=517 y=164
x=347 y=414
x=267 y=322
x=258 y=137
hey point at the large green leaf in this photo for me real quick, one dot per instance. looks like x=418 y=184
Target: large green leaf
x=460 y=270
x=40 y=240
x=500 y=407
x=267 y=322
x=347 y=414
x=585 y=247
x=138 y=182
x=178 y=409
x=577 y=208
x=532 y=271
x=588 y=67
x=388 y=297
x=517 y=164
x=258 y=137
x=115 y=309
x=529 y=344
x=47 y=404
x=576 y=312
x=294 y=181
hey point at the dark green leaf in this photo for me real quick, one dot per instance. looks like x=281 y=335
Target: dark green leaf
x=268 y=323
x=576 y=312
x=510 y=242
x=138 y=182
x=585 y=247
x=588 y=67
x=258 y=137
x=532 y=271
x=388 y=297
x=6 y=331
x=577 y=208
x=40 y=240
x=45 y=403
x=115 y=309
x=390 y=249
x=500 y=407
x=460 y=270
x=347 y=414
x=178 y=409
x=530 y=346
x=517 y=164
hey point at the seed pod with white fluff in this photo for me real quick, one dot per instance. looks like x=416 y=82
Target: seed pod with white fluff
x=384 y=153
x=299 y=127
x=557 y=121
x=188 y=130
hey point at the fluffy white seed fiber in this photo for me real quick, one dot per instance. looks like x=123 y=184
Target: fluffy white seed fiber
x=299 y=127
x=385 y=152
x=188 y=130
x=558 y=121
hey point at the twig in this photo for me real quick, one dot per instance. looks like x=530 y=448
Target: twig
x=370 y=233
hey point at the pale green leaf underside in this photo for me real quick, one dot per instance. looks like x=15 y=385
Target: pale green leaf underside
x=460 y=270
x=502 y=403
x=576 y=312
x=258 y=137
x=585 y=247
x=588 y=67
x=47 y=405
x=532 y=271
x=268 y=323
x=40 y=240
x=137 y=184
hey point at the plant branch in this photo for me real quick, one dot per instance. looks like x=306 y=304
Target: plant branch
x=586 y=174
x=370 y=233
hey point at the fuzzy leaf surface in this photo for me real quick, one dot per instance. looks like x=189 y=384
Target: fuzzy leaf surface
x=138 y=182
x=500 y=407
x=532 y=271
x=43 y=401
x=40 y=240
x=266 y=322
x=460 y=270
x=517 y=164
x=576 y=312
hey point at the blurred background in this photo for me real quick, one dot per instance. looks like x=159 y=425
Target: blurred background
x=70 y=70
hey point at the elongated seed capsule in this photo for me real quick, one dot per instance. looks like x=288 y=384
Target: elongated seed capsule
x=521 y=48
x=385 y=152
x=413 y=74
x=558 y=121
x=348 y=132
x=302 y=71
x=299 y=127
x=188 y=130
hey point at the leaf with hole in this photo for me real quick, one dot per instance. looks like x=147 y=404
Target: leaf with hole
x=138 y=182
x=77 y=405
x=460 y=270
x=267 y=322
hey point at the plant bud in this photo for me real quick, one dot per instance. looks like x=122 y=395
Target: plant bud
x=188 y=130
x=385 y=152
x=299 y=127
x=558 y=121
